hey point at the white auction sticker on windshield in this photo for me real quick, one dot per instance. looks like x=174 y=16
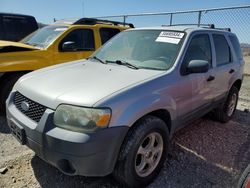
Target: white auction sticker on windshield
x=171 y=34
x=170 y=37
x=168 y=40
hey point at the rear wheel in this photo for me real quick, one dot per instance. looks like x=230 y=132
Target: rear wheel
x=6 y=86
x=225 y=113
x=143 y=152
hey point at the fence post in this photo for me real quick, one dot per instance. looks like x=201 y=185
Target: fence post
x=171 y=18
x=124 y=20
x=199 y=18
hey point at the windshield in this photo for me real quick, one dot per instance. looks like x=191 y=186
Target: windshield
x=44 y=37
x=149 y=49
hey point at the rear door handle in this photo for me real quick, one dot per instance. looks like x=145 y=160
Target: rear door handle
x=210 y=78
x=231 y=71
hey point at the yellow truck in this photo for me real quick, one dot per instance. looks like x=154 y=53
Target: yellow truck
x=66 y=40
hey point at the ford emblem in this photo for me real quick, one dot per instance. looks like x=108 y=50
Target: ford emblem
x=25 y=106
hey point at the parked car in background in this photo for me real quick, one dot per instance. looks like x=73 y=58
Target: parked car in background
x=116 y=112
x=66 y=40
x=14 y=27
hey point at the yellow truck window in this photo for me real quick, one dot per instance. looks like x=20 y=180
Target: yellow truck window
x=80 y=40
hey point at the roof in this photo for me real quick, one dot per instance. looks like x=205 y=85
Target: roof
x=92 y=21
x=14 y=14
x=186 y=28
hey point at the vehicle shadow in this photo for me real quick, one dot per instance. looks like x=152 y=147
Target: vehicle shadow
x=242 y=117
x=4 y=128
x=49 y=176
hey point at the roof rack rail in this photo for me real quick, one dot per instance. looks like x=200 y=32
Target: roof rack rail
x=210 y=26
x=93 y=21
x=225 y=29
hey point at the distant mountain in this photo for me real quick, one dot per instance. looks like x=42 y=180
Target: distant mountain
x=245 y=45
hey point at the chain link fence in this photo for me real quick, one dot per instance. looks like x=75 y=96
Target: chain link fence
x=235 y=18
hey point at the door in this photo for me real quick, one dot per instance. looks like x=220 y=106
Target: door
x=224 y=69
x=80 y=44
x=195 y=92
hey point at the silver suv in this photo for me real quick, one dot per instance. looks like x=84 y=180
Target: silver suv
x=116 y=111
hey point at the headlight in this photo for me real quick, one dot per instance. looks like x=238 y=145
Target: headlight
x=81 y=119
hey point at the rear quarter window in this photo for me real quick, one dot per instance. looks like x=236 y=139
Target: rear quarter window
x=107 y=33
x=236 y=46
x=222 y=49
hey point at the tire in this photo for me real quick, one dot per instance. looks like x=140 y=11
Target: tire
x=225 y=113
x=6 y=86
x=244 y=181
x=146 y=131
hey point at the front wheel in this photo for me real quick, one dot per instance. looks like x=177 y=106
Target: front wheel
x=225 y=113
x=6 y=87
x=143 y=152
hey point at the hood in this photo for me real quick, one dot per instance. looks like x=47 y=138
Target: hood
x=80 y=83
x=8 y=46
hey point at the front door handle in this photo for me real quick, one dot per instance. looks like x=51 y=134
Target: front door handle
x=231 y=71
x=210 y=78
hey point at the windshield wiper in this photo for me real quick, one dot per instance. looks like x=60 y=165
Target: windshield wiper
x=122 y=62
x=96 y=58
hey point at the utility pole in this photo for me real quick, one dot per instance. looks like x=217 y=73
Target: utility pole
x=82 y=8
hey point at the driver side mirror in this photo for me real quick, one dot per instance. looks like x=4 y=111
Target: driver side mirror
x=68 y=46
x=197 y=66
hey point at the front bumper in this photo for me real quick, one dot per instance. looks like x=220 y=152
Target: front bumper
x=73 y=153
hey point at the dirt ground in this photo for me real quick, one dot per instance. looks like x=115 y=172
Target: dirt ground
x=204 y=154
x=247 y=65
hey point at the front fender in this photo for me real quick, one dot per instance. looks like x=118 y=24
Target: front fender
x=141 y=107
x=22 y=61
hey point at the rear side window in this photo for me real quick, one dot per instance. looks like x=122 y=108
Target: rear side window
x=222 y=49
x=107 y=33
x=236 y=46
x=82 y=38
x=199 y=49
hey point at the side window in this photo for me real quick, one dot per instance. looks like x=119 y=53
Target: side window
x=199 y=49
x=81 y=39
x=107 y=33
x=222 y=49
x=236 y=46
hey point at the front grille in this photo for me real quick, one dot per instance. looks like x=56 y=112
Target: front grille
x=34 y=110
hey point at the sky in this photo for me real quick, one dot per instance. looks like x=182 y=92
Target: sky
x=46 y=10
